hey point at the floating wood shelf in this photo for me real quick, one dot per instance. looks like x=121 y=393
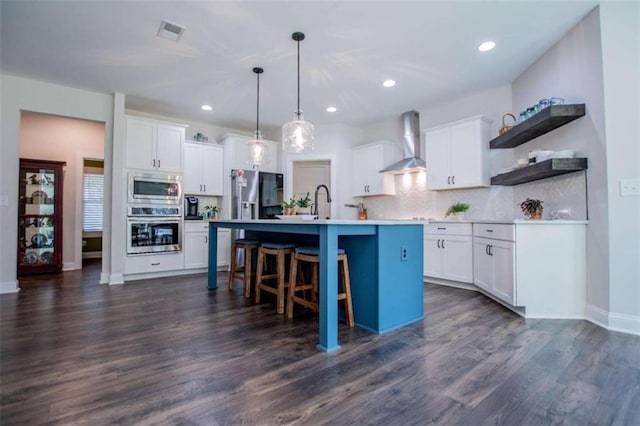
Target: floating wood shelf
x=543 y=122
x=542 y=170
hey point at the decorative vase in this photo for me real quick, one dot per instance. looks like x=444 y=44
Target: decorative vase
x=288 y=211
x=537 y=215
x=459 y=216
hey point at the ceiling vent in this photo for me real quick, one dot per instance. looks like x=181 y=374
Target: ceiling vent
x=170 y=31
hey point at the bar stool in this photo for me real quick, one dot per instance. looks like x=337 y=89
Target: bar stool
x=280 y=251
x=248 y=246
x=311 y=255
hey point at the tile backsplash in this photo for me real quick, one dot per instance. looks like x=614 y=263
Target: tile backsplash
x=412 y=199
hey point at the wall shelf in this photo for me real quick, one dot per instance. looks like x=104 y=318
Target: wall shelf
x=542 y=170
x=543 y=122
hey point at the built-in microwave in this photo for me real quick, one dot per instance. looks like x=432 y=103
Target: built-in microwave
x=155 y=188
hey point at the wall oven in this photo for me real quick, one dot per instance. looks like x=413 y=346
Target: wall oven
x=154 y=188
x=153 y=229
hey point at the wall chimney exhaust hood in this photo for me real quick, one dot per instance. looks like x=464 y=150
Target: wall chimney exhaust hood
x=411 y=161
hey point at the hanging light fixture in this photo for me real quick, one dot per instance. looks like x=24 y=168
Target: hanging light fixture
x=256 y=146
x=297 y=135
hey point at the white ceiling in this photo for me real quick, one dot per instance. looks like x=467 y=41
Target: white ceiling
x=428 y=47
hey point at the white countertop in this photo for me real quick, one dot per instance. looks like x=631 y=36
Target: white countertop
x=322 y=221
x=515 y=221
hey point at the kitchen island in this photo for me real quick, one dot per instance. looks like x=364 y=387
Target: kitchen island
x=385 y=264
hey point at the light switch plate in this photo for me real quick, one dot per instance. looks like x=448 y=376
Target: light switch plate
x=629 y=187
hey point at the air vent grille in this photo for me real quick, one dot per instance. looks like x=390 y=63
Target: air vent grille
x=170 y=30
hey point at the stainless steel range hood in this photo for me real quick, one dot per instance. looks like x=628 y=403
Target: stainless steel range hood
x=410 y=147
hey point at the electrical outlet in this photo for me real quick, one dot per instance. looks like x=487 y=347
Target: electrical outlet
x=629 y=187
x=403 y=254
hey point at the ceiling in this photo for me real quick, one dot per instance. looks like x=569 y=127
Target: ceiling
x=428 y=47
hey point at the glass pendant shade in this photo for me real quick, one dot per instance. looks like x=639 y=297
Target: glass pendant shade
x=297 y=135
x=256 y=149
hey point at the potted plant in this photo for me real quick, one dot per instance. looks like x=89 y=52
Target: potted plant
x=303 y=203
x=532 y=208
x=458 y=209
x=289 y=207
x=211 y=212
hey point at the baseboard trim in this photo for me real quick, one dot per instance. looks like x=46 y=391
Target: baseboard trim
x=596 y=315
x=624 y=323
x=92 y=255
x=8 y=287
x=104 y=278
x=115 y=279
x=448 y=283
x=70 y=266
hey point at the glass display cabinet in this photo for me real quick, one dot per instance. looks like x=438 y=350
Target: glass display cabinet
x=40 y=216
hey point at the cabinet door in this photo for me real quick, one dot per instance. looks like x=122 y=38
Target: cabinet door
x=432 y=254
x=367 y=179
x=196 y=251
x=503 y=255
x=140 y=144
x=224 y=248
x=170 y=148
x=467 y=160
x=437 y=153
x=482 y=264
x=359 y=172
x=211 y=170
x=457 y=261
x=192 y=180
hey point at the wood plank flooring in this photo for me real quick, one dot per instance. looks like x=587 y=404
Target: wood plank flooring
x=168 y=351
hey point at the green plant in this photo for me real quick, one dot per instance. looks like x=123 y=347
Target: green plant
x=304 y=202
x=457 y=207
x=212 y=210
x=291 y=204
x=530 y=207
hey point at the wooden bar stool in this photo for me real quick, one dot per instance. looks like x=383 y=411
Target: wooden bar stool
x=280 y=251
x=247 y=271
x=311 y=255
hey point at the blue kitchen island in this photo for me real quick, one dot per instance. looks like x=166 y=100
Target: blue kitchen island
x=385 y=265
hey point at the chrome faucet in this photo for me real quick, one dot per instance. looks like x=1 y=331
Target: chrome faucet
x=315 y=198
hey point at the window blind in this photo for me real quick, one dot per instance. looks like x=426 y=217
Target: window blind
x=92 y=202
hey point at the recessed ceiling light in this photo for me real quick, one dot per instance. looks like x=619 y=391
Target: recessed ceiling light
x=486 y=46
x=389 y=83
x=206 y=107
x=332 y=109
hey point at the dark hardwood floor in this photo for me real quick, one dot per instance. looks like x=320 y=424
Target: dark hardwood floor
x=167 y=351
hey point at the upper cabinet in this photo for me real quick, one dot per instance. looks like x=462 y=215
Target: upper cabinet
x=457 y=154
x=236 y=154
x=203 y=172
x=543 y=122
x=368 y=160
x=153 y=145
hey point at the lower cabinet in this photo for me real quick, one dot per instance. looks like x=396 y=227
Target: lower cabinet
x=448 y=251
x=196 y=246
x=493 y=267
x=150 y=263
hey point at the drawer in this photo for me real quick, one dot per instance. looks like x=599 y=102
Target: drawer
x=149 y=263
x=446 y=228
x=196 y=226
x=496 y=231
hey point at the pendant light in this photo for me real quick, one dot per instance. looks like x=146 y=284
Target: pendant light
x=297 y=135
x=256 y=146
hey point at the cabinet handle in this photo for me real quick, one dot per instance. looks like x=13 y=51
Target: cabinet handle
x=442 y=228
x=206 y=239
x=154 y=162
x=448 y=180
x=453 y=180
x=489 y=230
x=442 y=244
x=205 y=188
x=438 y=244
x=486 y=250
x=158 y=163
x=155 y=264
x=490 y=250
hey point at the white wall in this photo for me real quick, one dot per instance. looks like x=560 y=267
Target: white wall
x=20 y=94
x=55 y=138
x=620 y=28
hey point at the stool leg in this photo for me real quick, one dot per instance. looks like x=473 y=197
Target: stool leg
x=247 y=272
x=259 y=268
x=281 y=282
x=292 y=285
x=346 y=283
x=232 y=267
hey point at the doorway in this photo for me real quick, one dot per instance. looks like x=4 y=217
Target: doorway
x=307 y=175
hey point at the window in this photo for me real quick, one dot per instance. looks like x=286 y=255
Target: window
x=92 y=202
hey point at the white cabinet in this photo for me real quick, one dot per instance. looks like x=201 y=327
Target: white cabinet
x=153 y=145
x=236 y=154
x=196 y=246
x=367 y=162
x=448 y=251
x=224 y=248
x=203 y=172
x=457 y=154
x=537 y=266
